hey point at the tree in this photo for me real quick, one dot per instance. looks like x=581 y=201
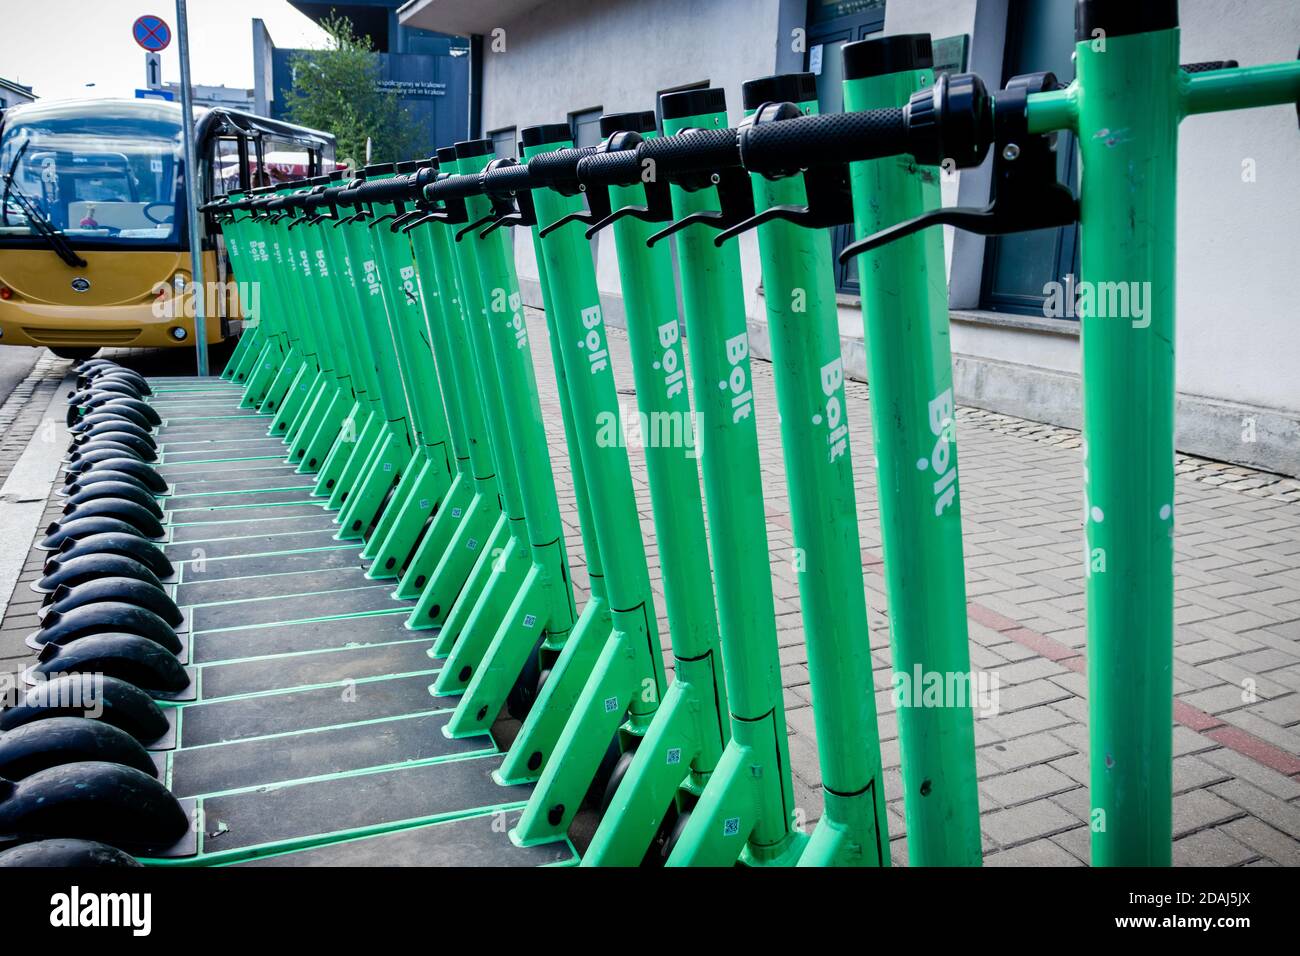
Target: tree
x=337 y=90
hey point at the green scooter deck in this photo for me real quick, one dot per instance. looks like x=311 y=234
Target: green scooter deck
x=315 y=737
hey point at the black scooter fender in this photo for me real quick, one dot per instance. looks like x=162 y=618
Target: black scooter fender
x=106 y=617
x=142 y=594
x=135 y=446
x=95 y=801
x=118 y=374
x=116 y=425
x=103 y=386
x=89 y=568
x=107 y=699
x=60 y=531
x=48 y=743
x=63 y=853
x=99 y=418
x=130 y=512
x=131 y=466
x=129 y=657
x=130 y=545
x=96 y=475
x=111 y=402
x=123 y=490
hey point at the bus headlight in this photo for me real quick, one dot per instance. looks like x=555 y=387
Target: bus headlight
x=178 y=333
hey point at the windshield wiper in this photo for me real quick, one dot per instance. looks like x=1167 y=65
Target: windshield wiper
x=51 y=233
x=9 y=178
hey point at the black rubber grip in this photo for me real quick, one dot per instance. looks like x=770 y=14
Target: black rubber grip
x=392 y=189
x=506 y=179
x=823 y=139
x=278 y=204
x=620 y=167
x=333 y=195
x=692 y=151
x=453 y=187
x=1208 y=66
x=558 y=166
x=300 y=201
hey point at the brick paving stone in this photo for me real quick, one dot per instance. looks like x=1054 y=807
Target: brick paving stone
x=1265 y=840
x=1211 y=848
x=1198 y=809
x=1039 y=853
x=1027 y=822
x=1260 y=804
x=1031 y=783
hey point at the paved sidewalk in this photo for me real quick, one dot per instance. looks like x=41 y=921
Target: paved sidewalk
x=1236 y=770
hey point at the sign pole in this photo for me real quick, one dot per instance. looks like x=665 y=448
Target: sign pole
x=192 y=196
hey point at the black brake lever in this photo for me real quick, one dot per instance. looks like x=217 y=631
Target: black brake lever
x=735 y=201
x=1026 y=193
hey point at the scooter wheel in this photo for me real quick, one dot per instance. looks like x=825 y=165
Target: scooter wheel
x=674 y=834
x=616 y=775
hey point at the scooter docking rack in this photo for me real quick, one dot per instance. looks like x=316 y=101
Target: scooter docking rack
x=1025 y=195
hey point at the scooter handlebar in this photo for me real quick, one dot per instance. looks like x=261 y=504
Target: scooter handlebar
x=823 y=139
x=557 y=167
x=620 y=167
x=512 y=178
x=690 y=151
x=455 y=186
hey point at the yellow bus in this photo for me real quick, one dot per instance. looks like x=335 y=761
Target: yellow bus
x=93 y=229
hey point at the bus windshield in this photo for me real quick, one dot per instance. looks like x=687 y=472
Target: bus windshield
x=104 y=173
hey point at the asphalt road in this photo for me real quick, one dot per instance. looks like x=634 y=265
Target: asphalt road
x=15 y=362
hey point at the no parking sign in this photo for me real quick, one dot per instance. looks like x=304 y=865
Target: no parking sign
x=151 y=32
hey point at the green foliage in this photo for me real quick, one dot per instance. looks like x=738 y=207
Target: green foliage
x=336 y=89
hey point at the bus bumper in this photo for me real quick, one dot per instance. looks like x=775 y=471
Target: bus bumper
x=123 y=326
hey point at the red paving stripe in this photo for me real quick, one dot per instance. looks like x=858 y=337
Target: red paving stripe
x=1260 y=751
x=1193 y=718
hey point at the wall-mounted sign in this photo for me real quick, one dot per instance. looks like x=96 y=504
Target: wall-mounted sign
x=413 y=88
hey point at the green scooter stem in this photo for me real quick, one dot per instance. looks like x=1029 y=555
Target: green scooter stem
x=473 y=499
x=909 y=365
x=1132 y=84
x=686 y=738
x=547 y=721
x=803 y=330
x=627 y=684
x=429 y=471
x=543 y=612
x=747 y=811
x=493 y=581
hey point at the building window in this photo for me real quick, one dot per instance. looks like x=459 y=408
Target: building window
x=505 y=143
x=1018 y=268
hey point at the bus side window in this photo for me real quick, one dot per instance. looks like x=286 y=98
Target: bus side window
x=225 y=166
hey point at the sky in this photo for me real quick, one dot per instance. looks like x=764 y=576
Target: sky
x=59 y=46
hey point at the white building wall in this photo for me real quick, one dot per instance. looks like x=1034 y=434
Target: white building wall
x=1238 y=323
